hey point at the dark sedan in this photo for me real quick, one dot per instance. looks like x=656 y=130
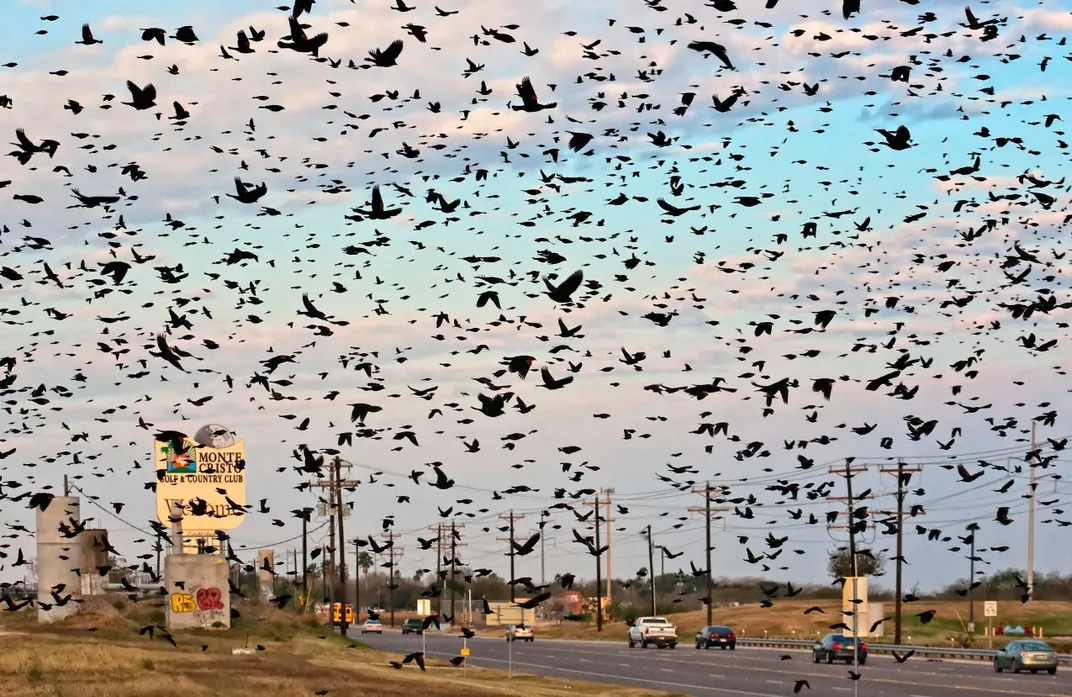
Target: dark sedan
x=716 y=635
x=838 y=647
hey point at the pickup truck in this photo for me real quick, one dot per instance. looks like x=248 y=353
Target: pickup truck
x=652 y=630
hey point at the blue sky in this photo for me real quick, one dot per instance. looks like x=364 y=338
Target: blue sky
x=820 y=166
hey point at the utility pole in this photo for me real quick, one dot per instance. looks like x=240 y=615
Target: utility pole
x=599 y=596
x=651 y=572
x=707 y=511
x=439 y=567
x=608 y=493
x=334 y=486
x=847 y=472
x=324 y=579
x=850 y=503
x=453 y=565
x=391 y=573
x=510 y=541
x=305 y=551
x=973 y=528
x=342 y=543
x=357 y=580
x=543 y=539
x=454 y=544
x=1032 y=460
x=607 y=520
x=904 y=476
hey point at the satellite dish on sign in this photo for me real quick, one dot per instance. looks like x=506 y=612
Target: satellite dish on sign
x=214 y=436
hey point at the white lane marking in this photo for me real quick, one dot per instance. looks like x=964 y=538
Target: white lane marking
x=618 y=679
x=665 y=658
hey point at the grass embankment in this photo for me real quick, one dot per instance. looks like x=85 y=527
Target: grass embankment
x=786 y=619
x=100 y=654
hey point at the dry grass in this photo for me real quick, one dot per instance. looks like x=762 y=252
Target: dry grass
x=101 y=655
x=787 y=619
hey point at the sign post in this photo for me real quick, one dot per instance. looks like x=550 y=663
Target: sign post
x=990 y=610
x=424 y=606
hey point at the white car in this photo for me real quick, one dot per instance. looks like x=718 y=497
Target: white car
x=372 y=627
x=519 y=632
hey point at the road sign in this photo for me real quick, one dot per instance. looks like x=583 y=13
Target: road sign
x=990 y=608
x=424 y=607
x=465 y=652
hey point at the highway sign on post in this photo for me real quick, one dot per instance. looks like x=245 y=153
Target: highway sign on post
x=424 y=607
x=465 y=651
x=990 y=611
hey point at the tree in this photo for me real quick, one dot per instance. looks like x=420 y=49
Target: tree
x=364 y=560
x=839 y=563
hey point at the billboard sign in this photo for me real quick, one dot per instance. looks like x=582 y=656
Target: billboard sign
x=195 y=478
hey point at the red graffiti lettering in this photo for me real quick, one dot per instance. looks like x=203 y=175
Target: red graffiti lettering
x=209 y=599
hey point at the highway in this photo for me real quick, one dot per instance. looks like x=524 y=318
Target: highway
x=748 y=672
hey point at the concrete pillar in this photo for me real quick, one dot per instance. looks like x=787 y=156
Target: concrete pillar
x=59 y=559
x=198 y=595
x=93 y=558
x=177 y=543
x=265 y=580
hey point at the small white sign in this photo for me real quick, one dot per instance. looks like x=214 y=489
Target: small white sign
x=424 y=607
x=990 y=608
x=323 y=510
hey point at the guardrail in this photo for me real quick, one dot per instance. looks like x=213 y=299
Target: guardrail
x=931 y=651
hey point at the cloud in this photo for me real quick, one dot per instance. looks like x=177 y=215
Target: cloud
x=807 y=153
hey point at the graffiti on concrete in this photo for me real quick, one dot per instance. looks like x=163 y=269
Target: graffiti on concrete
x=208 y=599
x=182 y=602
x=206 y=604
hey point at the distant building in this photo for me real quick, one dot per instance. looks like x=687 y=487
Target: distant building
x=94 y=558
x=506 y=613
x=571 y=602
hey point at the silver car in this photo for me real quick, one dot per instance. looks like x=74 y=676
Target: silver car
x=1028 y=654
x=520 y=632
x=372 y=627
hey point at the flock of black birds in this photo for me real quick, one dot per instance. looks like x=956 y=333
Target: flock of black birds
x=862 y=288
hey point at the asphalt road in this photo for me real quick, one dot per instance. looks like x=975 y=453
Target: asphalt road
x=748 y=672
